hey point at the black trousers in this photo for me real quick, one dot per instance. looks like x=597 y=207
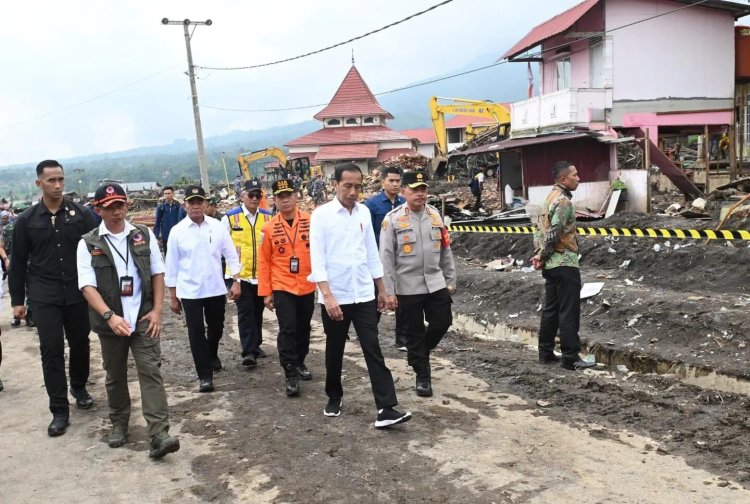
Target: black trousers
x=436 y=309
x=204 y=338
x=400 y=325
x=477 y=201
x=562 y=310
x=55 y=324
x=250 y=318
x=294 y=314
x=365 y=319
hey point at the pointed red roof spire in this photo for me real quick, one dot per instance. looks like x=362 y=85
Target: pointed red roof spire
x=352 y=98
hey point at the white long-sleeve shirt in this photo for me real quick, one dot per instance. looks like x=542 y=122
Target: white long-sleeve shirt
x=194 y=258
x=343 y=252
x=131 y=305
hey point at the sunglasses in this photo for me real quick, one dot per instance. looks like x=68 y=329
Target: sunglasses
x=254 y=195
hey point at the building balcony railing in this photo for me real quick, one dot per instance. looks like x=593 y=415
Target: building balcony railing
x=566 y=108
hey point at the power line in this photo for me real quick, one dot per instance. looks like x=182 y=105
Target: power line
x=339 y=44
x=485 y=67
x=89 y=100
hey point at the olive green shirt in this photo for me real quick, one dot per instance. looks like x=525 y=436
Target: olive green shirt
x=555 y=238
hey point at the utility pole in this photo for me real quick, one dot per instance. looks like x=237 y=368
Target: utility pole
x=194 y=94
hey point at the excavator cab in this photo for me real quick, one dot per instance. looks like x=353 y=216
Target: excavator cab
x=298 y=166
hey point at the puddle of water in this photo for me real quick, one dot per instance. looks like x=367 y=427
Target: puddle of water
x=702 y=377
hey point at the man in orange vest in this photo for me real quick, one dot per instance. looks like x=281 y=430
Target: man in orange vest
x=283 y=267
x=245 y=224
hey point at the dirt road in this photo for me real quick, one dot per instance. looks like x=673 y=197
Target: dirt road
x=484 y=437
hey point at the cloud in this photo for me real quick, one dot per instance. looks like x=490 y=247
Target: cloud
x=67 y=52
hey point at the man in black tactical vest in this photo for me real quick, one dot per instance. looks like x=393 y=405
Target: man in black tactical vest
x=121 y=274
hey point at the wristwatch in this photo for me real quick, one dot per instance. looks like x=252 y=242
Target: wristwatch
x=107 y=314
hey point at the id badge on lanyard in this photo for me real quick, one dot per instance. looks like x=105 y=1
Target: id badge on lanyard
x=294 y=265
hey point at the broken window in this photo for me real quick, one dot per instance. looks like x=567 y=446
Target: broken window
x=455 y=135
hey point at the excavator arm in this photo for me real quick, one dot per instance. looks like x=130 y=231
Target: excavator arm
x=462 y=106
x=244 y=160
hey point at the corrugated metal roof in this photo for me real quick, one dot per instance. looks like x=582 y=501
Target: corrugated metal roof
x=353 y=98
x=515 y=143
x=738 y=10
x=423 y=136
x=550 y=28
x=339 y=152
x=344 y=135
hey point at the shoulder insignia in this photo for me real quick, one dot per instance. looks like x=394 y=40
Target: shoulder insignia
x=384 y=225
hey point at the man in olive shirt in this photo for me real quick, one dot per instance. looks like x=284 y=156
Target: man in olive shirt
x=556 y=254
x=43 y=267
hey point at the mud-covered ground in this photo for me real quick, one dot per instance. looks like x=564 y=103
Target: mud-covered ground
x=501 y=427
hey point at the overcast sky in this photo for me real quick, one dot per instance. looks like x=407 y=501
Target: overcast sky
x=57 y=54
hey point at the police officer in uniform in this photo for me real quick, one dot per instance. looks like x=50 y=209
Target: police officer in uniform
x=419 y=273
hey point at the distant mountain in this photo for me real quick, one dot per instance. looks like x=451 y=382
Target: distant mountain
x=167 y=163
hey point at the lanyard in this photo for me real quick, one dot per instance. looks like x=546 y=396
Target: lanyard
x=127 y=251
x=295 y=231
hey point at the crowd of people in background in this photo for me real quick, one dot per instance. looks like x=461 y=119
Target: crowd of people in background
x=69 y=274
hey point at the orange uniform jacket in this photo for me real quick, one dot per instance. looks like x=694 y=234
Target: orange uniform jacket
x=281 y=242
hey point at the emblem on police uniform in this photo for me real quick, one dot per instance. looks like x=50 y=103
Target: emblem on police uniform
x=407 y=249
x=282 y=250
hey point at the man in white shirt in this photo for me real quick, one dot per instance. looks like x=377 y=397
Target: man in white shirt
x=121 y=275
x=345 y=261
x=196 y=282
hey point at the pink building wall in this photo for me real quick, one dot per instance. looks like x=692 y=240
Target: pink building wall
x=686 y=54
x=579 y=57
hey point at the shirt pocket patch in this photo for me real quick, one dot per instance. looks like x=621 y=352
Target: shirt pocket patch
x=405 y=241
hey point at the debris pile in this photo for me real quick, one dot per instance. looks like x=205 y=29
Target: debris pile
x=408 y=162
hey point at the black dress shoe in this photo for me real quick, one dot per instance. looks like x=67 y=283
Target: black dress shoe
x=216 y=364
x=577 y=364
x=15 y=322
x=424 y=387
x=249 y=361
x=550 y=358
x=303 y=372
x=59 y=424
x=292 y=386
x=82 y=397
x=261 y=353
x=206 y=386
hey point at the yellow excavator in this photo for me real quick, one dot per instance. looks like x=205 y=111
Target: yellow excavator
x=463 y=106
x=300 y=166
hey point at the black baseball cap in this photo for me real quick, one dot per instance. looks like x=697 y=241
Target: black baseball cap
x=252 y=185
x=107 y=194
x=281 y=186
x=194 y=191
x=414 y=179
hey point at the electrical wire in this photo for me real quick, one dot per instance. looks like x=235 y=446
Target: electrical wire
x=89 y=100
x=339 y=44
x=452 y=76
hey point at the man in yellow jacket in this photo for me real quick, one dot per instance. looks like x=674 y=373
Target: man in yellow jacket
x=245 y=224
